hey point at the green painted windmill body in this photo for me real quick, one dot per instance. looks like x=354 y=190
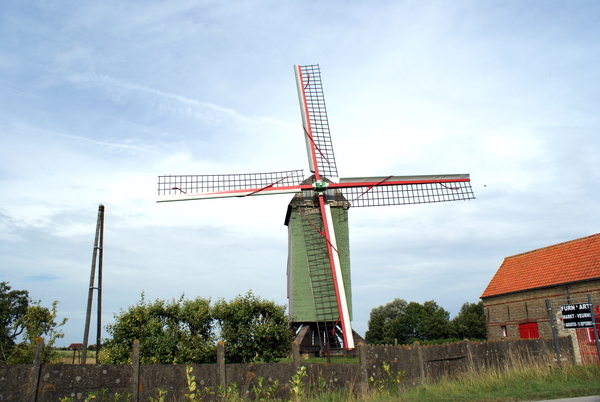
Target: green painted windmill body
x=311 y=291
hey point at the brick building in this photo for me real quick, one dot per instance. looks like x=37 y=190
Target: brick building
x=565 y=273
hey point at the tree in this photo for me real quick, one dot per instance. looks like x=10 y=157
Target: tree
x=379 y=322
x=430 y=321
x=469 y=323
x=394 y=309
x=20 y=317
x=407 y=322
x=38 y=321
x=253 y=329
x=13 y=305
x=170 y=332
x=184 y=331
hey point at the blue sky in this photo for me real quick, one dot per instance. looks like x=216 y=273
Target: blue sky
x=99 y=98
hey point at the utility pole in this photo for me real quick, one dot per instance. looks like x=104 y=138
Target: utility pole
x=97 y=255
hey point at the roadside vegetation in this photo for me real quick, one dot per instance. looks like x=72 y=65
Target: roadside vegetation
x=523 y=384
x=185 y=331
x=22 y=321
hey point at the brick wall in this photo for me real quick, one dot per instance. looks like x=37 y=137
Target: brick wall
x=530 y=306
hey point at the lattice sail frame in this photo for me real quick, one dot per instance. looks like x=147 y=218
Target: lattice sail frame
x=194 y=187
x=314 y=121
x=359 y=192
x=405 y=190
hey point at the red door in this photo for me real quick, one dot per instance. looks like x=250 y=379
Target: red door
x=528 y=330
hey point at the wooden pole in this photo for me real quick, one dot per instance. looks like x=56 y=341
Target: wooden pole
x=221 y=373
x=100 y=255
x=554 y=334
x=296 y=355
x=364 y=373
x=36 y=367
x=421 y=362
x=135 y=368
x=88 y=314
x=468 y=346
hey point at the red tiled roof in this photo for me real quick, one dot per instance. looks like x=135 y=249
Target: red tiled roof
x=572 y=261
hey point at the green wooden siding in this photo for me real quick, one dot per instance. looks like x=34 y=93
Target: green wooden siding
x=302 y=306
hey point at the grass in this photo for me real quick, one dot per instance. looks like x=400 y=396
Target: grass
x=518 y=385
x=524 y=384
x=66 y=357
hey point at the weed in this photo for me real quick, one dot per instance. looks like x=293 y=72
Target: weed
x=161 y=396
x=297 y=384
x=229 y=393
x=264 y=392
x=391 y=382
x=191 y=396
x=117 y=397
x=320 y=388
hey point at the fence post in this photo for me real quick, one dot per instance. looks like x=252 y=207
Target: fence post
x=221 y=364
x=363 y=363
x=554 y=335
x=421 y=363
x=34 y=381
x=135 y=368
x=469 y=354
x=510 y=363
x=544 y=348
x=296 y=355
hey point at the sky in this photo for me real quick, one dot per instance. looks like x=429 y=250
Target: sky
x=97 y=99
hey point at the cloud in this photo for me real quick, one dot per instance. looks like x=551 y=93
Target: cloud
x=103 y=144
x=165 y=103
x=99 y=99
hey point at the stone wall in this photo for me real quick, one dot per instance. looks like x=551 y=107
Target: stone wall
x=429 y=363
x=49 y=383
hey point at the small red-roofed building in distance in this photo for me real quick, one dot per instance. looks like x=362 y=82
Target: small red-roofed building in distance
x=515 y=299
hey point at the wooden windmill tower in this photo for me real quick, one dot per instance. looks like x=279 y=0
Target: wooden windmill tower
x=317 y=217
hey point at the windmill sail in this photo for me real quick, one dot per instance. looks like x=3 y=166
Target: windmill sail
x=197 y=187
x=403 y=190
x=314 y=121
x=336 y=272
x=322 y=163
x=322 y=288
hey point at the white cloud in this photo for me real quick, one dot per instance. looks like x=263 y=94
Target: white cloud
x=99 y=99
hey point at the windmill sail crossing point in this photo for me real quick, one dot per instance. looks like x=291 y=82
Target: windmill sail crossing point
x=319 y=289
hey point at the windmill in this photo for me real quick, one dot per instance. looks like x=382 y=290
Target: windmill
x=317 y=217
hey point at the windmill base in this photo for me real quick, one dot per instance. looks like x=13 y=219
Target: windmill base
x=323 y=338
